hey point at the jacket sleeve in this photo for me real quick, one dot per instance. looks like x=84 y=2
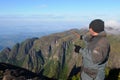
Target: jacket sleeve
x=83 y=52
x=87 y=37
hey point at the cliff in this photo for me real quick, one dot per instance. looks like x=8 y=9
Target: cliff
x=54 y=55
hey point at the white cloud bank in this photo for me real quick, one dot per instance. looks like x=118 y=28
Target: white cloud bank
x=112 y=26
x=112 y=23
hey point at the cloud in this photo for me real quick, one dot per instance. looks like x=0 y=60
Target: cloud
x=38 y=17
x=112 y=23
x=38 y=20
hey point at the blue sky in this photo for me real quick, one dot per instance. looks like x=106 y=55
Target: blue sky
x=57 y=12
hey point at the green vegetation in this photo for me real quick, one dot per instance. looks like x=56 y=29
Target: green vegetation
x=1 y=74
x=75 y=78
x=63 y=72
x=51 y=69
x=55 y=55
x=107 y=71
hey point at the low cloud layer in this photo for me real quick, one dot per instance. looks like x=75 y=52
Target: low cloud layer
x=112 y=26
x=113 y=23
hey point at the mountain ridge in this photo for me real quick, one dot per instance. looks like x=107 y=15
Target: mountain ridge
x=54 y=54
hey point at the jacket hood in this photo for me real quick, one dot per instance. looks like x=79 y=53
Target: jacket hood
x=102 y=34
x=88 y=37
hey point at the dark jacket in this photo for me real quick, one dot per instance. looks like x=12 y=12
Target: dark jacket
x=95 y=54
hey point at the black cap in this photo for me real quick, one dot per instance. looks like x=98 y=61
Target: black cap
x=97 y=25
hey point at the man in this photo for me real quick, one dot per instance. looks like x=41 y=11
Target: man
x=96 y=52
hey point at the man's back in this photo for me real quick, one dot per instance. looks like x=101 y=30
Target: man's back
x=96 y=52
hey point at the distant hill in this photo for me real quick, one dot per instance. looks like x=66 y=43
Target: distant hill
x=54 y=54
x=9 y=40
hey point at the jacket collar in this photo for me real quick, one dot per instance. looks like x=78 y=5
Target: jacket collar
x=102 y=34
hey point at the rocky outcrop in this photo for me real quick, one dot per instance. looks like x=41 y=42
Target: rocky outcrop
x=4 y=54
x=11 y=72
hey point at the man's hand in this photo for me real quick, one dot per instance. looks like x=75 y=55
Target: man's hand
x=77 y=48
x=81 y=37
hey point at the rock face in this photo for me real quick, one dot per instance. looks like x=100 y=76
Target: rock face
x=11 y=72
x=53 y=56
x=4 y=54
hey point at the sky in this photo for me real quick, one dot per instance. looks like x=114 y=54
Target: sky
x=59 y=14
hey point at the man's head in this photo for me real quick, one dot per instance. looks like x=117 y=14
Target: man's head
x=96 y=26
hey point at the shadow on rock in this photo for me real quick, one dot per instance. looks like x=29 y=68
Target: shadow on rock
x=113 y=74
